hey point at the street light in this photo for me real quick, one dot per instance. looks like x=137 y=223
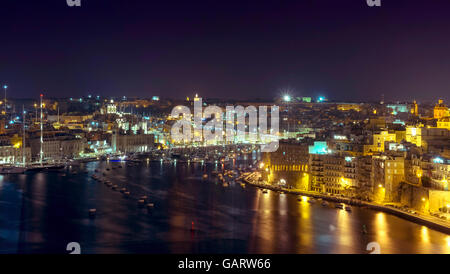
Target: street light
x=5 y=87
x=287 y=98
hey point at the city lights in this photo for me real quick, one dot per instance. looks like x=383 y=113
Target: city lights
x=225 y=128
x=438 y=160
x=286 y=98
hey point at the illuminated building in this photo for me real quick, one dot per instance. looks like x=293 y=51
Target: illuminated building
x=396 y=108
x=316 y=163
x=347 y=107
x=414 y=135
x=333 y=174
x=378 y=142
x=126 y=143
x=290 y=163
x=439 y=201
x=440 y=110
x=387 y=173
x=394 y=175
x=440 y=172
x=306 y=99
x=444 y=123
x=415 y=109
x=57 y=146
x=111 y=108
x=319 y=147
x=13 y=155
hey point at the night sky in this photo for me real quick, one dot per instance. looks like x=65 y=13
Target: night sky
x=341 y=49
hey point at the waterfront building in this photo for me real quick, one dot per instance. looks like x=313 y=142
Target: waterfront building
x=126 y=143
x=289 y=164
x=57 y=146
x=388 y=172
x=14 y=155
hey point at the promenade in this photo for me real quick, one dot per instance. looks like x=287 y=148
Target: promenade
x=420 y=218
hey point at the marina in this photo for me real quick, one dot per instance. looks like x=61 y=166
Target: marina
x=163 y=207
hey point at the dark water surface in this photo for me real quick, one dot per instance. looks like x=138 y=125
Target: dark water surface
x=43 y=212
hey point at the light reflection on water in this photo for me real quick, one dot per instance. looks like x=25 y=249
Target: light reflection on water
x=42 y=212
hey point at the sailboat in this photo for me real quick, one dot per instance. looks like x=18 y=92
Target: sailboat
x=41 y=166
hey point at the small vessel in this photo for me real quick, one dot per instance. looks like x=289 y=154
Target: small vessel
x=265 y=191
x=312 y=201
x=325 y=203
x=348 y=208
x=12 y=170
x=339 y=205
x=299 y=198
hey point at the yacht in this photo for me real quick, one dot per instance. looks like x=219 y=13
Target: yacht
x=12 y=170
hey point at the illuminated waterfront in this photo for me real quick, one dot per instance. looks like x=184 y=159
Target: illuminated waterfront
x=42 y=212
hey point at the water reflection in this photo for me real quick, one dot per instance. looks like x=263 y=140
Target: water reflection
x=42 y=212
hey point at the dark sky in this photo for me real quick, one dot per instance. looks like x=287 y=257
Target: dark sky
x=342 y=49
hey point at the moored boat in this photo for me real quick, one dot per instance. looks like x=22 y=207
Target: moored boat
x=339 y=205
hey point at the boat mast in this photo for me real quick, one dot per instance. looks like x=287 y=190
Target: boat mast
x=23 y=138
x=41 y=153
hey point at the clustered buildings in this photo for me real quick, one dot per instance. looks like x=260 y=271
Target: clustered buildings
x=74 y=128
x=387 y=153
x=395 y=153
